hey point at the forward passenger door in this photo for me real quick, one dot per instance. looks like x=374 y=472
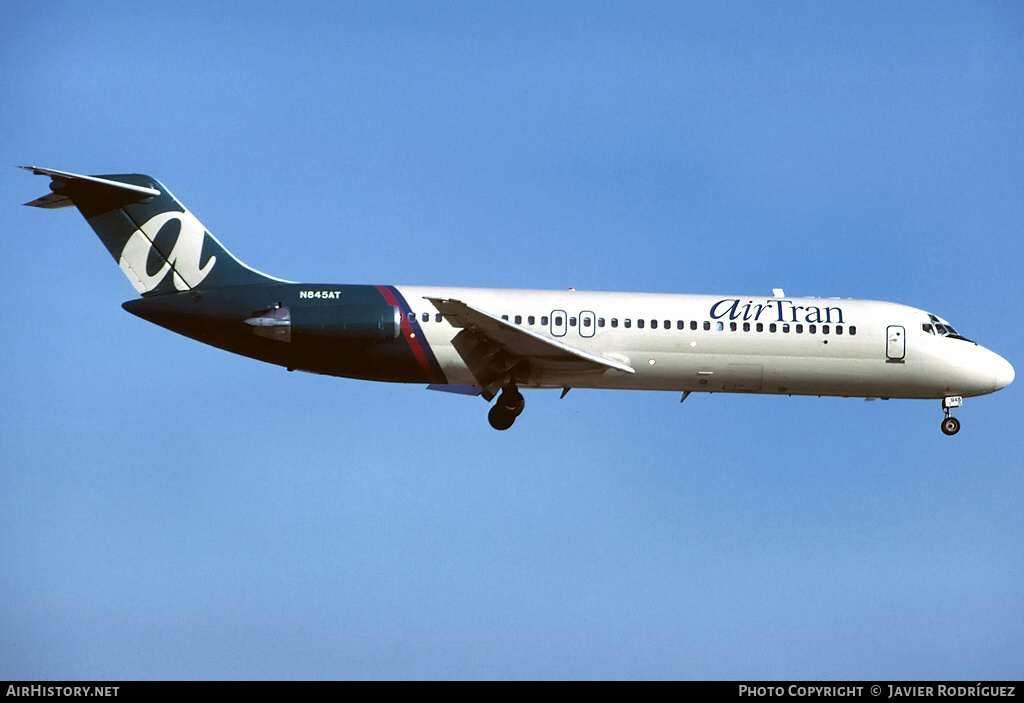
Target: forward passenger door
x=895 y=343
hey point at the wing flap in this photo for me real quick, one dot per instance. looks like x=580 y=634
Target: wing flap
x=460 y=390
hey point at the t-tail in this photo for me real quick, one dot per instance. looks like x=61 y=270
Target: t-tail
x=157 y=242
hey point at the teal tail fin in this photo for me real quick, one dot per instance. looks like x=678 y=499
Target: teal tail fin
x=157 y=242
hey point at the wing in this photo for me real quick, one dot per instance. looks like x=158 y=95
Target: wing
x=495 y=349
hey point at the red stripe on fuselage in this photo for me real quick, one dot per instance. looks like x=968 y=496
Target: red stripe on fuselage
x=410 y=336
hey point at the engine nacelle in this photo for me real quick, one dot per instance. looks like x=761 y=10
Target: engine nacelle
x=366 y=323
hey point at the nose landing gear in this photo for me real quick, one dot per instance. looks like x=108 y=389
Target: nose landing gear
x=506 y=409
x=950 y=425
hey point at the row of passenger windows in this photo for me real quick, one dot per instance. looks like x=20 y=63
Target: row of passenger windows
x=586 y=321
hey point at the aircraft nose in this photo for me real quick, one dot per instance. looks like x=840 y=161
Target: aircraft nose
x=1004 y=373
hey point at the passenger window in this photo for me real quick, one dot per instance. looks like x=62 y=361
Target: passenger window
x=425 y=317
x=693 y=324
x=811 y=329
x=785 y=328
x=586 y=321
x=544 y=320
x=772 y=327
x=853 y=330
x=839 y=329
x=680 y=325
x=600 y=322
x=732 y=326
x=411 y=316
x=437 y=317
x=707 y=325
x=824 y=329
x=799 y=329
x=640 y=323
x=558 y=320
x=760 y=327
x=530 y=320
x=654 y=324
x=572 y=321
x=519 y=319
x=626 y=323
x=746 y=326
x=668 y=324
x=719 y=326
x=505 y=318
x=615 y=322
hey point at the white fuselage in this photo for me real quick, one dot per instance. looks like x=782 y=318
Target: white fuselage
x=797 y=346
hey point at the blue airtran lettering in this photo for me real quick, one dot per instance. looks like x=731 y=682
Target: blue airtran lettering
x=775 y=311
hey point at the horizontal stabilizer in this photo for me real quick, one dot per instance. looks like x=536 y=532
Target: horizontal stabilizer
x=51 y=201
x=55 y=200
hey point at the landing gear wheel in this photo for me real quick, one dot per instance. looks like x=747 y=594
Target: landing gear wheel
x=950 y=426
x=508 y=407
x=511 y=401
x=500 y=418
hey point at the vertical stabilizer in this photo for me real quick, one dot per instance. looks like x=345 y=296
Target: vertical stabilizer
x=160 y=246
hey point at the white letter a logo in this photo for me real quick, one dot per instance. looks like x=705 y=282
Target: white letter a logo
x=184 y=257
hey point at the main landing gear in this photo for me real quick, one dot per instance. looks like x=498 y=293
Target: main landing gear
x=950 y=425
x=506 y=409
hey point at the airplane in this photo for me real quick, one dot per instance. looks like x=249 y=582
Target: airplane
x=493 y=342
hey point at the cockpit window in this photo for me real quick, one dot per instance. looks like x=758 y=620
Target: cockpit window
x=942 y=328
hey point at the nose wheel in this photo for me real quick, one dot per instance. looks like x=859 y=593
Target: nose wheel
x=506 y=409
x=950 y=425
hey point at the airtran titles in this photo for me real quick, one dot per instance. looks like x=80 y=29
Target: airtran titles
x=775 y=311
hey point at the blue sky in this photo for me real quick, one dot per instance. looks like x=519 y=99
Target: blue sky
x=168 y=510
